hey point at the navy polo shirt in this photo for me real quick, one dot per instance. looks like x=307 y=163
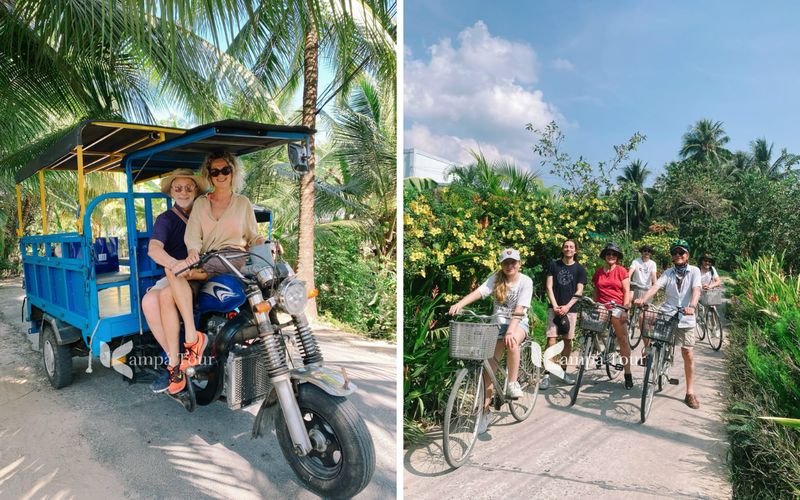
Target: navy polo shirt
x=169 y=230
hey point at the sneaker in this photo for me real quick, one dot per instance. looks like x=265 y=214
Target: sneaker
x=193 y=353
x=161 y=383
x=514 y=390
x=628 y=381
x=569 y=379
x=177 y=380
x=545 y=383
x=692 y=401
x=483 y=423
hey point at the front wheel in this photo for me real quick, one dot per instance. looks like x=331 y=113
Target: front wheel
x=529 y=377
x=700 y=323
x=651 y=376
x=462 y=415
x=613 y=358
x=714 y=326
x=583 y=363
x=343 y=459
x=634 y=334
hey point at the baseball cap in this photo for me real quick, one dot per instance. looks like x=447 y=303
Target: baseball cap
x=509 y=253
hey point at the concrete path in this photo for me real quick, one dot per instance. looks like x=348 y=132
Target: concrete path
x=103 y=438
x=596 y=449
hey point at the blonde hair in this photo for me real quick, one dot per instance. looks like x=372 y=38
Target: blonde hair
x=500 y=291
x=237 y=182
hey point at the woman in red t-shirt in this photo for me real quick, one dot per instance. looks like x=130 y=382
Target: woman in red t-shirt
x=612 y=284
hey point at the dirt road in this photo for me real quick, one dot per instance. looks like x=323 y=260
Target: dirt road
x=596 y=449
x=103 y=438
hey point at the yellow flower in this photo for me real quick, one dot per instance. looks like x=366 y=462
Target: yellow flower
x=416 y=255
x=435 y=231
x=454 y=272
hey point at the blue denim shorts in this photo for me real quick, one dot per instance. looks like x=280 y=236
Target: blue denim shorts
x=504 y=328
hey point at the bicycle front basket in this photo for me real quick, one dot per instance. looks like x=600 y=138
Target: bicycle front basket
x=712 y=297
x=473 y=340
x=594 y=318
x=658 y=326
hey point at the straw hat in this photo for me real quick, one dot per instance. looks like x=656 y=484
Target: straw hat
x=199 y=181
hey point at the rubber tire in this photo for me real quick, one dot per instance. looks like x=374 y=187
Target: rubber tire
x=586 y=354
x=633 y=339
x=714 y=323
x=465 y=378
x=611 y=347
x=700 y=326
x=651 y=374
x=61 y=375
x=357 y=449
x=529 y=377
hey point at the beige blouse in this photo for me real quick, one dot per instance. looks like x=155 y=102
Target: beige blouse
x=236 y=227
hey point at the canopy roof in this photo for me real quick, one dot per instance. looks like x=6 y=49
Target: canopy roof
x=158 y=149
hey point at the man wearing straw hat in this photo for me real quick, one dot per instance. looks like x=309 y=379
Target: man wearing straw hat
x=167 y=248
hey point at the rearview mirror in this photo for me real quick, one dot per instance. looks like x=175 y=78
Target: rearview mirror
x=297 y=158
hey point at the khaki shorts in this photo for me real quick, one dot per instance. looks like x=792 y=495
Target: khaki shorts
x=215 y=266
x=552 y=331
x=164 y=283
x=685 y=337
x=638 y=292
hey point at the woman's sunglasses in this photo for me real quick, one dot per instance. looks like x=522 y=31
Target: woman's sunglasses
x=217 y=171
x=180 y=189
x=678 y=251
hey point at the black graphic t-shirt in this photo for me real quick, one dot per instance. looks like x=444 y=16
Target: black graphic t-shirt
x=565 y=281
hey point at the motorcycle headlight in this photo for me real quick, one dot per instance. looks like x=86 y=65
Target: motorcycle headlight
x=292 y=296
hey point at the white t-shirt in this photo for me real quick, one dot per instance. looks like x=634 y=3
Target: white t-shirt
x=679 y=297
x=642 y=271
x=707 y=277
x=519 y=294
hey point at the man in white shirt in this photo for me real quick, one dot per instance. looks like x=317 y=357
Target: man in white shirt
x=643 y=271
x=681 y=282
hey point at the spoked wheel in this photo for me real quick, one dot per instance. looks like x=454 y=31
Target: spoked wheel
x=714 y=326
x=529 y=377
x=652 y=377
x=342 y=460
x=634 y=329
x=613 y=358
x=700 y=324
x=583 y=363
x=462 y=415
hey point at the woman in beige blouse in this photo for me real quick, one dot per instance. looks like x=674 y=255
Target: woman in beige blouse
x=222 y=219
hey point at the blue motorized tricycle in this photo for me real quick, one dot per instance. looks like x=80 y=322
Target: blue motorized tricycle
x=84 y=290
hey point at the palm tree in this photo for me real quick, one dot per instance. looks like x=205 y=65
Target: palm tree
x=704 y=142
x=762 y=159
x=494 y=178
x=635 y=196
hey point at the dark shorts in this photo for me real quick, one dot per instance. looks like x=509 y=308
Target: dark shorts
x=215 y=266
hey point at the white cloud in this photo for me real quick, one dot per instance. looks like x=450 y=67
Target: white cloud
x=478 y=91
x=563 y=64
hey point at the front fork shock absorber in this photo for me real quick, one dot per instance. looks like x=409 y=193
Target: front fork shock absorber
x=278 y=372
x=306 y=343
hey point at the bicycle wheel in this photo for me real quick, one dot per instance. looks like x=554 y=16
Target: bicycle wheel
x=651 y=376
x=700 y=322
x=612 y=357
x=528 y=378
x=714 y=326
x=634 y=333
x=462 y=415
x=583 y=363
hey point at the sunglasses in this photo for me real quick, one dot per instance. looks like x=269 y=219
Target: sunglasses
x=217 y=171
x=678 y=251
x=181 y=189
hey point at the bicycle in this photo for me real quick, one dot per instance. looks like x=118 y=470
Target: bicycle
x=708 y=321
x=474 y=343
x=660 y=328
x=633 y=338
x=594 y=319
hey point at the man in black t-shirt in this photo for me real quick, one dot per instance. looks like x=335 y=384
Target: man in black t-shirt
x=565 y=279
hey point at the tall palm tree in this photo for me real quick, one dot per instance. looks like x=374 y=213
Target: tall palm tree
x=705 y=142
x=497 y=177
x=636 y=197
x=762 y=159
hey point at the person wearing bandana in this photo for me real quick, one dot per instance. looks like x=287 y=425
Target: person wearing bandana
x=682 y=284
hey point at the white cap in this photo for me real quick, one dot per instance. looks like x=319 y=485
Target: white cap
x=509 y=253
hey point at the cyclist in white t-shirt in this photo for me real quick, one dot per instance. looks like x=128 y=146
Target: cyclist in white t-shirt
x=709 y=276
x=643 y=272
x=512 y=292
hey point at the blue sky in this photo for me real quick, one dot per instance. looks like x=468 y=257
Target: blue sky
x=476 y=74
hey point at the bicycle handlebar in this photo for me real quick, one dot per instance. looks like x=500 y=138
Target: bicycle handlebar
x=592 y=302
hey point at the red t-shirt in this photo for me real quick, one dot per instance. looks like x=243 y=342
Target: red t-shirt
x=608 y=285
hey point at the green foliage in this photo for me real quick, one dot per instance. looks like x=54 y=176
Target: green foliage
x=355 y=288
x=763 y=365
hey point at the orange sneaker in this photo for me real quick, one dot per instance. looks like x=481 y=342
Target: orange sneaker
x=193 y=353
x=177 y=381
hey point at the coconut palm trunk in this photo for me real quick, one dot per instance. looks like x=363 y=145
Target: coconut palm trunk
x=305 y=244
